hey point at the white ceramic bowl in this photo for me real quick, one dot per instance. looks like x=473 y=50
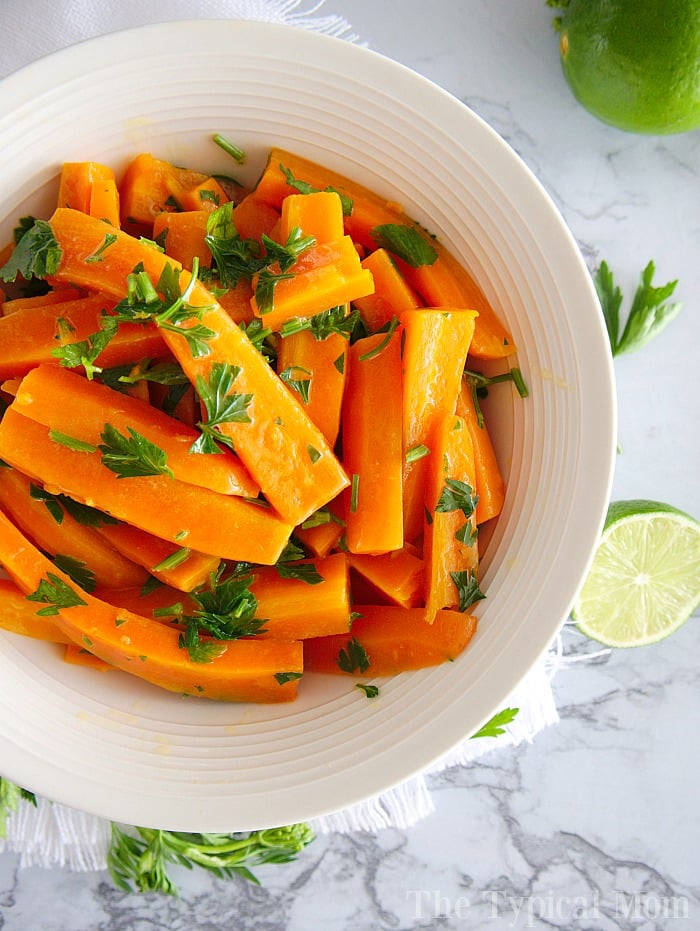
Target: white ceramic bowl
x=119 y=748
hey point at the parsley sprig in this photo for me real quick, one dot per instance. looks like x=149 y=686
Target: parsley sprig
x=55 y=594
x=222 y=404
x=37 y=253
x=132 y=455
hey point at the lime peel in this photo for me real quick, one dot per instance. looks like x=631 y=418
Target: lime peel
x=644 y=582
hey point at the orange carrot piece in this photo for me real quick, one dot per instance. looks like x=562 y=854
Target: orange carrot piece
x=67 y=402
x=296 y=610
x=67 y=538
x=79 y=656
x=184 y=236
x=319 y=215
x=148 y=188
x=372 y=444
x=320 y=367
x=30 y=336
x=144 y=600
x=285 y=453
x=40 y=301
x=206 y=195
x=322 y=535
x=394 y=640
x=244 y=670
x=18 y=616
x=392 y=295
x=236 y=301
x=323 y=276
x=104 y=201
x=490 y=486
x=234 y=528
x=444 y=283
x=77 y=181
x=398 y=576
x=450 y=532
x=253 y=217
x=436 y=344
x=150 y=552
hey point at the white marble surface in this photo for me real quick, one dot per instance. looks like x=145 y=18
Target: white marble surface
x=595 y=825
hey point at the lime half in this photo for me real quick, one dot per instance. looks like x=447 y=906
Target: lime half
x=645 y=578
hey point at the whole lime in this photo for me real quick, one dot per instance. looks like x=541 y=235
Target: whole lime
x=634 y=63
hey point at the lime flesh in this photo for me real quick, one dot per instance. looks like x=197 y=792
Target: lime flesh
x=644 y=581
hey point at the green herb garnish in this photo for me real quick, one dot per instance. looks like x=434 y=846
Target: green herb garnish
x=222 y=404
x=405 y=242
x=133 y=455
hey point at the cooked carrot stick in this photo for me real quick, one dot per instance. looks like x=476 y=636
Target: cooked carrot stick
x=64 y=536
x=450 y=504
x=234 y=528
x=314 y=371
x=41 y=300
x=372 y=444
x=253 y=217
x=323 y=276
x=166 y=561
x=435 y=350
x=443 y=283
x=79 y=656
x=149 y=186
x=206 y=195
x=490 y=486
x=392 y=295
x=397 y=576
x=324 y=529
x=19 y=616
x=319 y=215
x=67 y=402
x=282 y=449
x=183 y=236
x=29 y=336
x=104 y=201
x=76 y=184
x=386 y=640
x=239 y=670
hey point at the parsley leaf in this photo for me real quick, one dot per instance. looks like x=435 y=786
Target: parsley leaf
x=222 y=404
x=405 y=242
x=467 y=588
x=284 y=677
x=650 y=312
x=199 y=651
x=304 y=572
x=36 y=255
x=300 y=385
x=353 y=657
x=55 y=594
x=77 y=570
x=234 y=257
x=371 y=691
x=132 y=456
x=496 y=725
x=98 y=254
x=333 y=320
x=303 y=187
x=85 y=351
x=457 y=496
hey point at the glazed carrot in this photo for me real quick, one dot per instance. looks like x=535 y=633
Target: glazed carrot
x=149 y=186
x=104 y=201
x=206 y=195
x=386 y=640
x=76 y=184
x=183 y=236
x=40 y=301
x=323 y=276
x=253 y=217
x=397 y=576
x=372 y=444
x=450 y=525
x=244 y=670
x=314 y=371
x=166 y=561
x=236 y=301
x=234 y=528
x=282 y=449
x=79 y=656
x=324 y=529
x=319 y=215
x=144 y=600
x=296 y=610
x=19 y=616
x=67 y=402
x=64 y=536
x=435 y=350
x=490 y=486
x=443 y=283
x=187 y=409
x=392 y=295
x=29 y=336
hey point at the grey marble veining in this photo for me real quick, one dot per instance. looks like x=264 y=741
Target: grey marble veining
x=595 y=825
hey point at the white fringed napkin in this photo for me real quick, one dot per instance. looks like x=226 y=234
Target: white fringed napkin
x=52 y=835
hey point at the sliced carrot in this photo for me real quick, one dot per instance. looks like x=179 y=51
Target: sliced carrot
x=236 y=301
x=450 y=532
x=398 y=576
x=30 y=336
x=324 y=530
x=18 y=616
x=67 y=538
x=253 y=217
x=436 y=344
x=79 y=656
x=77 y=181
x=391 y=640
x=234 y=527
x=318 y=368
x=67 y=402
x=443 y=283
x=392 y=295
x=243 y=670
x=173 y=563
x=40 y=301
x=104 y=201
x=319 y=215
x=490 y=486
x=282 y=449
x=323 y=276
x=372 y=444
x=183 y=236
x=206 y=195
x=147 y=189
